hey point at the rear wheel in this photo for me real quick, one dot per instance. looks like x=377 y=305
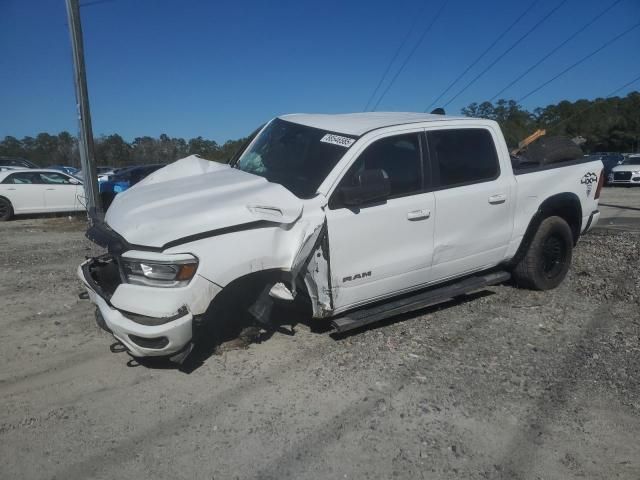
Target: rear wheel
x=548 y=257
x=6 y=210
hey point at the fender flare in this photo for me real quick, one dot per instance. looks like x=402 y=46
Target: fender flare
x=565 y=205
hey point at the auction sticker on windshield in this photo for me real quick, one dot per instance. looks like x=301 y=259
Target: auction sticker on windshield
x=337 y=140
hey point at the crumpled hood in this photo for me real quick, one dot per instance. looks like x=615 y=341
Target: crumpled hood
x=193 y=196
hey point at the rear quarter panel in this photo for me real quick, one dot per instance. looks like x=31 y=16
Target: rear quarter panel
x=535 y=186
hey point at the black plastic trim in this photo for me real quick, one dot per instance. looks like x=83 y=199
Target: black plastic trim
x=219 y=231
x=94 y=286
x=154 y=343
x=550 y=205
x=550 y=166
x=153 y=321
x=589 y=221
x=101 y=234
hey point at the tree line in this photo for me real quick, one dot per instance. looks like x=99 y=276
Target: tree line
x=62 y=149
x=606 y=124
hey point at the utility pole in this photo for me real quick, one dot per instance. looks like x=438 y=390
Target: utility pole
x=85 y=144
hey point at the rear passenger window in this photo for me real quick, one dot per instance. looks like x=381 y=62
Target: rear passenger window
x=27 y=178
x=399 y=157
x=462 y=156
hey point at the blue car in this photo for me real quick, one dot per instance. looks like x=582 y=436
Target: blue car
x=123 y=179
x=65 y=169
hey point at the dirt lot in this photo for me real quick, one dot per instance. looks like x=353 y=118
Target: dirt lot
x=505 y=384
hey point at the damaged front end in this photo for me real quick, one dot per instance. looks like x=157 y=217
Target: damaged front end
x=309 y=272
x=173 y=246
x=147 y=320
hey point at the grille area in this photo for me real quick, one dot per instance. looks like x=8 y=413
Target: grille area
x=155 y=342
x=621 y=175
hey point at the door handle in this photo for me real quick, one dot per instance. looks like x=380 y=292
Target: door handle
x=50 y=188
x=497 y=199
x=418 y=214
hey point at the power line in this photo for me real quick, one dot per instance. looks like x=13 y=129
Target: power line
x=413 y=50
x=95 y=2
x=395 y=56
x=575 y=64
x=475 y=62
x=554 y=50
x=513 y=45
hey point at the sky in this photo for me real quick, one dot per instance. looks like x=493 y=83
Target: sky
x=218 y=69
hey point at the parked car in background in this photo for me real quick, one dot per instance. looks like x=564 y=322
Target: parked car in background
x=123 y=179
x=38 y=191
x=16 y=162
x=64 y=168
x=4 y=168
x=101 y=171
x=627 y=173
x=609 y=160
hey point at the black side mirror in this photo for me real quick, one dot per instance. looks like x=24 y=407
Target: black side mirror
x=371 y=185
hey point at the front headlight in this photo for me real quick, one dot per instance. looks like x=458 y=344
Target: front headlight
x=158 y=274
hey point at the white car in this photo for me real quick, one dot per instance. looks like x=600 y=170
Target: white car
x=627 y=173
x=38 y=191
x=5 y=168
x=341 y=212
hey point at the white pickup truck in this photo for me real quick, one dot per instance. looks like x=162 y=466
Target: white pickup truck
x=360 y=215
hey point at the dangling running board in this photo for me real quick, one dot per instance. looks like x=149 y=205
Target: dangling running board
x=422 y=299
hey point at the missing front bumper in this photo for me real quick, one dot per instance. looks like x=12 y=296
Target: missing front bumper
x=129 y=328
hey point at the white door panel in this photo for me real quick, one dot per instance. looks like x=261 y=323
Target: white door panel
x=380 y=249
x=474 y=203
x=60 y=197
x=25 y=198
x=61 y=192
x=471 y=231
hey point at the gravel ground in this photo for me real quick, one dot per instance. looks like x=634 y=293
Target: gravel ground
x=505 y=383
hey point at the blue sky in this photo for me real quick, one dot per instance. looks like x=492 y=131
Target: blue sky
x=220 y=68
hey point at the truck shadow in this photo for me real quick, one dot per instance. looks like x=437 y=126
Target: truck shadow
x=285 y=320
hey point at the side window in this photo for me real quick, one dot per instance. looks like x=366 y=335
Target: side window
x=54 y=178
x=399 y=157
x=462 y=156
x=23 y=178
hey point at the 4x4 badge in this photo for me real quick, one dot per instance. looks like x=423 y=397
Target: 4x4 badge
x=588 y=180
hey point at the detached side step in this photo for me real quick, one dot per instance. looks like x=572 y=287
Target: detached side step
x=359 y=318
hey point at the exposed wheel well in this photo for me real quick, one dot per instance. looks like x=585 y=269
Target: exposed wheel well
x=242 y=292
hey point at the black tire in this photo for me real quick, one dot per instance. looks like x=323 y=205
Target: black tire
x=548 y=257
x=552 y=149
x=6 y=210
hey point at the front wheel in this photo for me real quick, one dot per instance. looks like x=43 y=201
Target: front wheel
x=548 y=257
x=6 y=210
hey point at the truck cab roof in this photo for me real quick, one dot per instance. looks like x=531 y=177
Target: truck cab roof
x=357 y=124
